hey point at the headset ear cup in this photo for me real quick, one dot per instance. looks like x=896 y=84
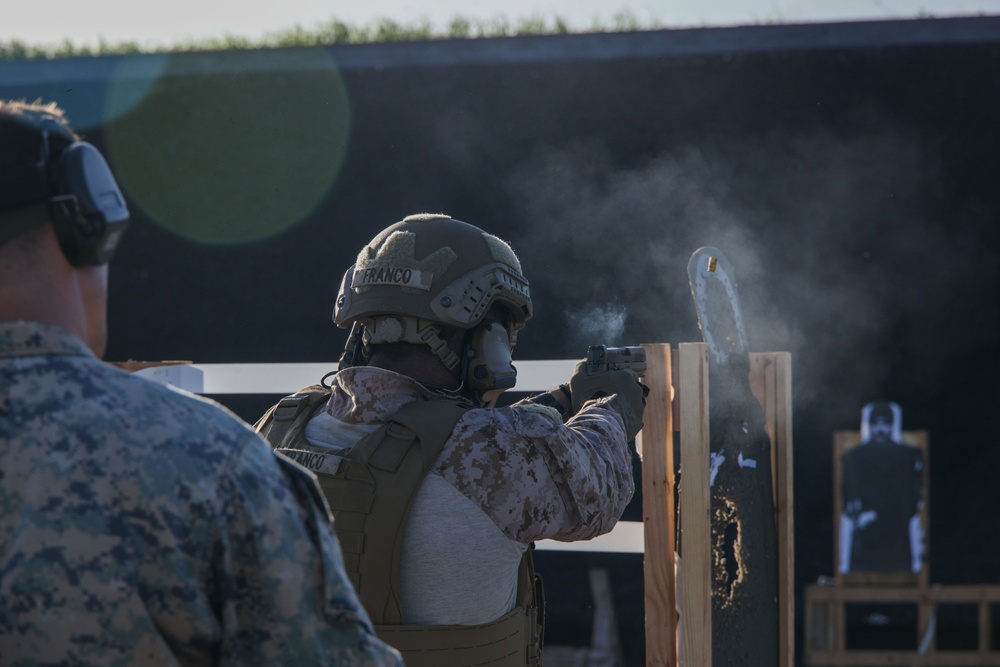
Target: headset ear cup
x=490 y=370
x=76 y=234
x=79 y=236
x=90 y=215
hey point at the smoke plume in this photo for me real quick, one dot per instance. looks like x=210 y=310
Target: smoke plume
x=829 y=236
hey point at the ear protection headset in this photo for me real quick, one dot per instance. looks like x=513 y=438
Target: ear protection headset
x=490 y=369
x=83 y=200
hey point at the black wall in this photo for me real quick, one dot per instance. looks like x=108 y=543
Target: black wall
x=849 y=171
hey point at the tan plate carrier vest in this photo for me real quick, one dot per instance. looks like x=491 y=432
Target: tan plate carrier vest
x=370 y=496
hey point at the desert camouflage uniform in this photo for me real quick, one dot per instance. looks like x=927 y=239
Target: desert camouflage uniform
x=140 y=526
x=506 y=477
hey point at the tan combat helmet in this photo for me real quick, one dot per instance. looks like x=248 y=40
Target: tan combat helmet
x=429 y=271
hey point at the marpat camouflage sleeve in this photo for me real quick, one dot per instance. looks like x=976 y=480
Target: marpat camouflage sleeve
x=539 y=478
x=143 y=527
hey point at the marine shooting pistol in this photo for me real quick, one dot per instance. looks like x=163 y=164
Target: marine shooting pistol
x=601 y=358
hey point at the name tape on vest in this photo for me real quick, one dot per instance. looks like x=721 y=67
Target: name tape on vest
x=393 y=275
x=314 y=461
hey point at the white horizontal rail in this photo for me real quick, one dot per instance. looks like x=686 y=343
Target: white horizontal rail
x=627 y=536
x=288 y=378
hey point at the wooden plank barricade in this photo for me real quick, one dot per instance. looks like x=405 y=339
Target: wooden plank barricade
x=658 y=509
x=826 y=632
x=771 y=383
x=677 y=403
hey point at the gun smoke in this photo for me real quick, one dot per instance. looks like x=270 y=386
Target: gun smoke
x=833 y=239
x=598 y=325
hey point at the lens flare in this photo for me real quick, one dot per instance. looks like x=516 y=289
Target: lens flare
x=131 y=81
x=231 y=147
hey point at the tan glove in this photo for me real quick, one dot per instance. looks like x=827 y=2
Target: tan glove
x=630 y=402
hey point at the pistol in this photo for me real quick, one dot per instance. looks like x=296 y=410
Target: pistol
x=601 y=358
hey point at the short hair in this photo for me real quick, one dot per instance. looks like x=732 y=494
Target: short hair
x=22 y=125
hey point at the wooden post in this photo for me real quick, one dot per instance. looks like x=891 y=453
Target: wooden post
x=771 y=383
x=985 y=628
x=696 y=556
x=658 y=510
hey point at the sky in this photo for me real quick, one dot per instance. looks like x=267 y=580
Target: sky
x=164 y=23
